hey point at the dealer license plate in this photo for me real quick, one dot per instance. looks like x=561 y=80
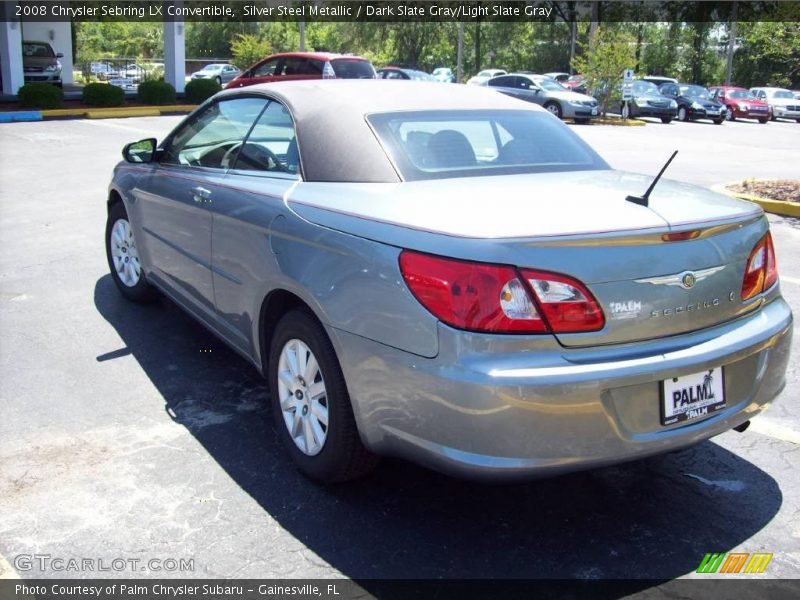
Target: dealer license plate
x=692 y=396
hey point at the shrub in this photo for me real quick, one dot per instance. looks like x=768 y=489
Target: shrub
x=198 y=90
x=40 y=95
x=103 y=94
x=156 y=92
x=248 y=49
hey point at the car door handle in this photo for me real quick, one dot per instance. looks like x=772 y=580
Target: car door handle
x=201 y=194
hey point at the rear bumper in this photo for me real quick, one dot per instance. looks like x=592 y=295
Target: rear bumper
x=487 y=407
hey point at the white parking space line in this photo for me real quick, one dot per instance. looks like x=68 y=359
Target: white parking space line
x=104 y=123
x=788 y=279
x=775 y=431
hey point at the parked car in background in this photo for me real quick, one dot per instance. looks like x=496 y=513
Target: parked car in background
x=406 y=74
x=484 y=76
x=796 y=94
x=291 y=66
x=576 y=83
x=547 y=92
x=560 y=77
x=782 y=103
x=220 y=72
x=694 y=102
x=452 y=277
x=40 y=63
x=741 y=103
x=658 y=79
x=444 y=75
x=103 y=70
x=647 y=101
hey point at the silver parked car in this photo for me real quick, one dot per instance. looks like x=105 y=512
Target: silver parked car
x=540 y=89
x=220 y=72
x=451 y=276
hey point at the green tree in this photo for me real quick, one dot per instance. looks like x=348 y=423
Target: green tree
x=608 y=53
x=248 y=49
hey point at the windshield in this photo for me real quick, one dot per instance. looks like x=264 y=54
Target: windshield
x=642 y=88
x=550 y=85
x=783 y=94
x=468 y=143
x=741 y=95
x=212 y=68
x=441 y=71
x=694 y=91
x=37 y=50
x=352 y=68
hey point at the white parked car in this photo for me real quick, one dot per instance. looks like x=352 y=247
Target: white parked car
x=484 y=76
x=782 y=102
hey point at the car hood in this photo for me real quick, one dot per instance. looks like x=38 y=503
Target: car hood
x=783 y=101
x=703 y=101
x=516 y=206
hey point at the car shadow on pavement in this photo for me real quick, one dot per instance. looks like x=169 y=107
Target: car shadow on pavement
x=651 y=519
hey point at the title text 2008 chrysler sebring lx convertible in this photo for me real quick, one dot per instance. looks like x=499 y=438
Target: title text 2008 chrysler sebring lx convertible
x=451 y=276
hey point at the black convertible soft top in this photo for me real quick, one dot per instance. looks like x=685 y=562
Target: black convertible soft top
x=333 y=136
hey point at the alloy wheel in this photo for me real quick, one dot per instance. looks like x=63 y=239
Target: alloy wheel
x=303 y=397
x=124 y=253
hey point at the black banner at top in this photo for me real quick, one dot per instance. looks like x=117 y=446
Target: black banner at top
x=399 y=10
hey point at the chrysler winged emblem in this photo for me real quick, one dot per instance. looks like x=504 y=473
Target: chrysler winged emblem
x=686 y=279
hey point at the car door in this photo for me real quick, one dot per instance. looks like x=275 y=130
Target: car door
x=173 y=203
x=506 y=84
x=245 y=214
x=228 y=73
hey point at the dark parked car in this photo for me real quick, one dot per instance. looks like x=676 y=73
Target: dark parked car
x=694 y=102
x=292 y=66
x=407 y=74
x=741 y=103
x=647 y=101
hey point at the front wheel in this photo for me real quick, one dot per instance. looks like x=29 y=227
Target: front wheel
x=666 y=120
x=719 y=121
x=762 y=121
x=123 y=257
x=219 y=80
x=554 y=108
x=310 y=403
x=581 y=121
x=682 y=114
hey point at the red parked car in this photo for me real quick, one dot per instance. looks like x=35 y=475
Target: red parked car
x=741 y=103
x=291 y=66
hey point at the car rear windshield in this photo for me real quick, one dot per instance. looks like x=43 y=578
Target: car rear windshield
x=352 y=68
x=469 y=143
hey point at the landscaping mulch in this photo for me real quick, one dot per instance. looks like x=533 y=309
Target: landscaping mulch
x=787 y=190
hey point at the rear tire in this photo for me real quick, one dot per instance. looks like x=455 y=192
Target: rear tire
x=219 y=80
x=310 y=403
x=123 y=257
x=730 y=116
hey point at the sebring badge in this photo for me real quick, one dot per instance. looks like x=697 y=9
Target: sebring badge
x=686 y=280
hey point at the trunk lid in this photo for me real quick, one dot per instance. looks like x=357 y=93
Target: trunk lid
x=578 y=224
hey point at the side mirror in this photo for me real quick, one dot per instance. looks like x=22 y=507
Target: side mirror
x=142 y=151
x=60 y=55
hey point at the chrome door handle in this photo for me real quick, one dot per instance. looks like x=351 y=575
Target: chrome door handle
x=201 y=194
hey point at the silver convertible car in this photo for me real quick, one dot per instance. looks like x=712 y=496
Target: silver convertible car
x=453 y=277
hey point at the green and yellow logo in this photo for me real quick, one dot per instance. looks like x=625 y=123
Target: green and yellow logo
x=735 y=562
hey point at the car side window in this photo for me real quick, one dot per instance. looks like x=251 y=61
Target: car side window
x=523 y=83
x=296 y=65
x=502 y=81
x=267 y=68
x=212 y=138
x=271 y=147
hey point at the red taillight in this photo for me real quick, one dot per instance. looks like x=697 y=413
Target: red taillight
x=494 y=298
x=761 y=269
x=567 y=305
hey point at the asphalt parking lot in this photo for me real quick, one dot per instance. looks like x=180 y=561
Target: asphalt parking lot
x=130 y=432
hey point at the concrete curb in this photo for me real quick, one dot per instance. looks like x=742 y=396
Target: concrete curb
x=776 y=207
x=95 y=113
